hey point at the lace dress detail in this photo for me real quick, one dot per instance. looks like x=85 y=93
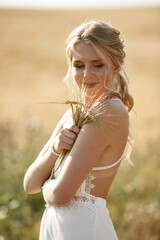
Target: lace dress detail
x=84 y=217
x=83 y=193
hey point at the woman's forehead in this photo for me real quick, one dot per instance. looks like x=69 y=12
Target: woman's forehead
x=85 y=51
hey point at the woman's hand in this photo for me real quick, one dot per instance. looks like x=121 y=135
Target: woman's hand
x=65 y=138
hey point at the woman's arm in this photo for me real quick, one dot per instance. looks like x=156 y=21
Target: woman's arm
x=39 y=171
x=86 y=151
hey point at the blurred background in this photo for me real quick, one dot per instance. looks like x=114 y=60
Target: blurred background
x=32 y=67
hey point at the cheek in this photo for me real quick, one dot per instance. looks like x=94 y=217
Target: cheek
x=78 y=77
x=101 y=75
x=109 y=79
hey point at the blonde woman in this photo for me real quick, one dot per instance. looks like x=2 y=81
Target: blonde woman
x=76 y=196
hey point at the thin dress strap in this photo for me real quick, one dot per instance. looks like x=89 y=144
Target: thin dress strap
x=109 y=166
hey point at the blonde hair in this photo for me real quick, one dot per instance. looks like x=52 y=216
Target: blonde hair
x=100 y=34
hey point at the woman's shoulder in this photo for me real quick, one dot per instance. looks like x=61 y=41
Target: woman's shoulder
x=116 y=106
x=67 y=118
x=113 y=105
x=114 y=111
x=67 y=114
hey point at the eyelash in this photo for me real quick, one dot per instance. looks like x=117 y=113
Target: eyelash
x=79 y=66
x=96 y=66
x=99 y=65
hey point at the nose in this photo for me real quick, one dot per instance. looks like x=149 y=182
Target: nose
x=88 y=74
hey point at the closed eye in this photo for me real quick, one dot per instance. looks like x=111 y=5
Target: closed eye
x=99 y=65
x=79 y=66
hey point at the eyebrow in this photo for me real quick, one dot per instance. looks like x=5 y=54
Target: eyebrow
x=94 y=61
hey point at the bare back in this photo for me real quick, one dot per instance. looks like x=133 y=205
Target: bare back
x=104 y=170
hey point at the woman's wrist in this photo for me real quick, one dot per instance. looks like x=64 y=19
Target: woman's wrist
x=53 y=151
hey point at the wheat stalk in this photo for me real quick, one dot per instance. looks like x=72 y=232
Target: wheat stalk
x=81 y=115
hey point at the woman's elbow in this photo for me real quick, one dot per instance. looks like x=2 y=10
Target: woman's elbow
x=55 y=196
x=61 y=197
x=29 y=187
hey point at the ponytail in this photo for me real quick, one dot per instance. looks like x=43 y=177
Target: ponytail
x=122 y=89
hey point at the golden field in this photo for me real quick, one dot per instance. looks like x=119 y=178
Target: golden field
x=32 y=68
x=33 y=64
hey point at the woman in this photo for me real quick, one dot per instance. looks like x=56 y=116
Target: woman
x=76 y=196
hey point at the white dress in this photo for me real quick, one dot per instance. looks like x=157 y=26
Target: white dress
x=85 y=217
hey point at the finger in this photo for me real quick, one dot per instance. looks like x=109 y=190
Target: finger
x=63 y=137
x=67 y=140
x=69 y=134
x=67 y=146
x=74 y=129
x=61 y=145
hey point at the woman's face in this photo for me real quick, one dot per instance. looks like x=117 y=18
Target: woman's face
x=89 y=70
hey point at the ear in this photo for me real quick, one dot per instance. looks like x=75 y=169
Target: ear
x=116 y=69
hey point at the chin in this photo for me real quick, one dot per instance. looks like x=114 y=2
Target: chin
x=91 y=94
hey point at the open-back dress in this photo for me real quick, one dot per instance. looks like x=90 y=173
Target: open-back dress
x=85 y=217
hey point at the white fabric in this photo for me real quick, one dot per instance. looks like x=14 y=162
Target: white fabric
x=81 y=221
x=85 y=217
x=107 y=167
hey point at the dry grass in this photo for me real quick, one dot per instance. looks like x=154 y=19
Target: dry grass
x=32 y=69
x=33 y=64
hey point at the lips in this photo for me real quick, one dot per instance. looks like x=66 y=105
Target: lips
x=90 y=84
